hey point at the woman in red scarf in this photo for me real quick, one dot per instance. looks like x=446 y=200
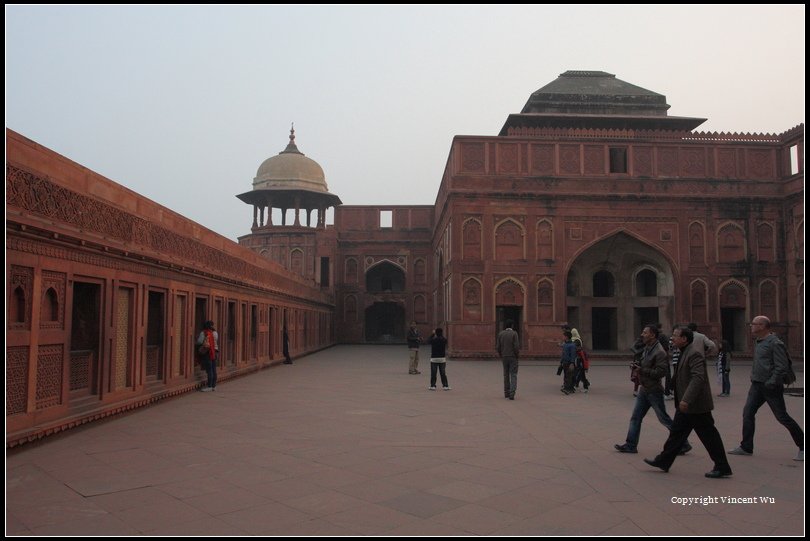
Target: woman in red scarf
x=208 y=350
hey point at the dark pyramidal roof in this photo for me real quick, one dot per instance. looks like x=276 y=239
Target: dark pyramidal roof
x=597 y=99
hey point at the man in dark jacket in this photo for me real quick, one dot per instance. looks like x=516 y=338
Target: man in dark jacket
x=652 y=367
x=767 y=376
x=693 y=395
x=508 y=346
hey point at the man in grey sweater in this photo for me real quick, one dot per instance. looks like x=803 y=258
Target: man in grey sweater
x=767 y=376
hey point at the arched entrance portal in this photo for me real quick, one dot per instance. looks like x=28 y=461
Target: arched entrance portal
x=614 y=288
x=385 y=322
x=385 y=277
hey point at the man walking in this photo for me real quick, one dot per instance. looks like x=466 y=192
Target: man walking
x=767 y=377
x=414 y=339
x=693 y=395
x=508 y=346
x=652 y=367
x=568 y=359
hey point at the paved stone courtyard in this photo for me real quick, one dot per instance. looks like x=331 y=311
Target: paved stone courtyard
x=345 y=442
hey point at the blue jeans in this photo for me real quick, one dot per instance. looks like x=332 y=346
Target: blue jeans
x=211 y=370
x=644 y=401
x=726 y=383
x=758 y=394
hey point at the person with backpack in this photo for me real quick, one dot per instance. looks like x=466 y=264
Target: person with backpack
x=770 y=372
x=438 y=358
x=582 y=364
x=208 y=352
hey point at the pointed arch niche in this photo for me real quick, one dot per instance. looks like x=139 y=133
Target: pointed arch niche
x=472 y=309
x=472 y=232
x=697 y=243
x=768 y=295
x=545 y=300
x=730 y=243
x=351 y=271
x=765 y=242
x=699 y=295
x=545 y=239
x=509 y=240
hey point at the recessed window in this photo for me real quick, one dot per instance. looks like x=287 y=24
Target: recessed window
x=386 y=218
x=618 y=160
x=603 y=284
x=794 y=159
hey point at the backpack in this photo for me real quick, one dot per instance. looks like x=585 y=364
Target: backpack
x=586 y=362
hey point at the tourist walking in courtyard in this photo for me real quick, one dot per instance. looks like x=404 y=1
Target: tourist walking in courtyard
x=414 y=339
x=768 y=372
x=652 y=366
x=508 y=347
x=693 y=396
x=438 y=358
x=568 y=361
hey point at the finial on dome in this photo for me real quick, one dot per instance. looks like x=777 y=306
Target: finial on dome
x=291 y=146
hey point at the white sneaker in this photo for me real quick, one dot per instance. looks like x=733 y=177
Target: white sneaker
x=800 y=456
x=431 y=388
x=446 y=389
x=206 y=389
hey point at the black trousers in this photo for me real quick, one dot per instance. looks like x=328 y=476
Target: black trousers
x=440 y=367
x=703 y=425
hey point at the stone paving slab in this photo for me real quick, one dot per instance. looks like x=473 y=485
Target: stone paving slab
x=345 y=442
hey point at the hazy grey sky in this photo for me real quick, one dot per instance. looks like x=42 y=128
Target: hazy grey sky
x=182 y=105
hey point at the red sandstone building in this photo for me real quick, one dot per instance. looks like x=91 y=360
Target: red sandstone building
x=591 y=207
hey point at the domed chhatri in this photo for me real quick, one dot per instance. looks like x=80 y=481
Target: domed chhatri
x=290 y=169
x=289 y=180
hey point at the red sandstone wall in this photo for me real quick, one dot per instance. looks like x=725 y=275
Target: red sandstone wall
x=154 y=277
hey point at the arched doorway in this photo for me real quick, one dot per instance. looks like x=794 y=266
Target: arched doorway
x=385 y=322
x=614 y=288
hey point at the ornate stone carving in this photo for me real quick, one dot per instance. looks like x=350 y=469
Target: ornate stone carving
x=667 y=162
x=693 y=162
x=760 y=163
x=726 y=163
x=16 y=379
x=569 y=159
x=472 y=157
x=642 y=161
x=542 y=159
x=594 y=160
x=509 y=293
x=508 y=158
x=50 y=360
